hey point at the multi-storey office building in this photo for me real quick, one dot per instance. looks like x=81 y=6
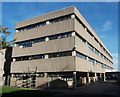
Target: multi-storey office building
x=60 y=44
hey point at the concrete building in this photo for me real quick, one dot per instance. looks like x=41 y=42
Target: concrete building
x=5 y=63
x=58 y=46
x=2 y=60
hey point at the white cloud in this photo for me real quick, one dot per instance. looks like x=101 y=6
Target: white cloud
x=102 y=36
x=107 y=26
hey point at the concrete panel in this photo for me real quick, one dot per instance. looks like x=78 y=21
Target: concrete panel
x=81 y=31
x=83 y=48
x=88 y=26
x=59 y=64
x=52 y=15
x=57 y=45
x=85 y=66
x=47 y=30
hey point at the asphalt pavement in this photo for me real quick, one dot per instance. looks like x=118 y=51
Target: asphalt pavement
x=105 y=89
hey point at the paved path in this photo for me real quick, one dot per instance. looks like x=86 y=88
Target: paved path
x=106 y=89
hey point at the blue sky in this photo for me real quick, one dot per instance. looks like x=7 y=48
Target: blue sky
x=102 y=17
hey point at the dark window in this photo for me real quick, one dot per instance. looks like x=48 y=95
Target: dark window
x=29 y=57
x=27 y=45
x=60 y=19
x=44 y=23
x=60 y=36
x=32 y=26
x=60 y=54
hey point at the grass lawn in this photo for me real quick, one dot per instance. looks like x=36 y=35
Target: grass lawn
x=19 y=92
x=10 y=89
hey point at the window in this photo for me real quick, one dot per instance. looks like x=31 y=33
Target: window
x=29 y=57
x=89 y=33
x=32 y=26
x=82 y=39
x=80 y=22
x=29 y=43
x=104 y=50
x=101 y=46
x=102 y=56
x=60 y=36
x=44 y=23
x=60 y=54
x=91 y=47
x=96 y=52
x=91 y=60
x=98 y=63
x=101 y=64
x=60 y=19
x=96 y=40
x=80 y=55
x=83 y=25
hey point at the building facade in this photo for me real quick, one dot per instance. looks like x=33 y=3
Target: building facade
x=2 y=60
x=59 y=45
x=5 y=63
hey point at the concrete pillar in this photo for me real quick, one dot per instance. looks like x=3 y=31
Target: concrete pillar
x=47 y=22
x=85 y=29
x=74 y=80
x=84 y=80
x=87 y=58
x=100 y=77
x=21 y=46
x=12 y=75
x=96 y=77
x=73 y=53
x=88 y=78
x=72 y=16
x=48 y=84
x=94 y=62
x=8 y=80
x=14 y=59
x=104 y=77
x=45 y=74
x=73 y=33
x=16 y=30
x=47 y=38
x=15 y=45
x=46 y=56
x=93 y=37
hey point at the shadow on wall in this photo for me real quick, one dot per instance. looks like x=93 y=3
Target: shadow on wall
x=54 y=84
